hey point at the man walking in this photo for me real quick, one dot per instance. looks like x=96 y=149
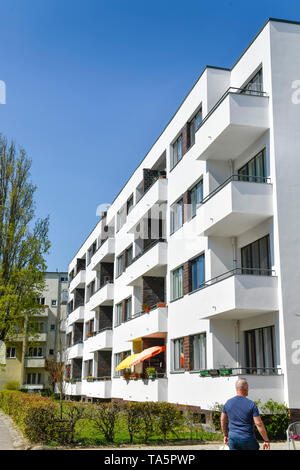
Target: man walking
x=242 y=414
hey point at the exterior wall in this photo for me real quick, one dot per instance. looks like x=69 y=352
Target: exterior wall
x=223 y=310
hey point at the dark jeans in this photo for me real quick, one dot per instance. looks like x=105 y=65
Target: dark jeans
x=235 y=443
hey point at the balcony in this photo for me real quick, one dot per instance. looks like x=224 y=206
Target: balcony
x=100 y=340
x=76 y=350
x=156 y=194
x=218 y=389
x=105 y=253
x=145 y=324
x=98 y=388
x=34 y=362
x=76 y=315
x=103 y=296
x=236 y=294
x=236 y=121
x=235 y=207
x=141 y=389
x=151 y=262
x=78 y=282
x=73 y=389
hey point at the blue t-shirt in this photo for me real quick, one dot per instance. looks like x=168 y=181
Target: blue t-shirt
x=240 y=411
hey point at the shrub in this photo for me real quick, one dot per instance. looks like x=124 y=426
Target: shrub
x=32 y=413
x=168 y=418
x=133 y=416
x=12 y=385
x=275 y=418
x=104 y=417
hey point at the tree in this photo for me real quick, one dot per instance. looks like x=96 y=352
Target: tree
x=23 y=244
x=56 y=371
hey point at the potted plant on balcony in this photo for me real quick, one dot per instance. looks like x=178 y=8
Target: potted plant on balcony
x=225 y=371
x=151 y=373
x=90 y=378
x=161 y=304
x=204 y=373
x=146 y=307
x=72 y=380
x=126 y=374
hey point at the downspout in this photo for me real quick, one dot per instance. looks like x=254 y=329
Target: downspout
x=237 y=343
x=234 y=251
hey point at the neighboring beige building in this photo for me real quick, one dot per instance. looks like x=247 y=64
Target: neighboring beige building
x=25 y=363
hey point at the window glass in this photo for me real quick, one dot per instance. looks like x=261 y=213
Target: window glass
x=177 y=280
x=178 y=354
x=177 y=151
x=176 y=215
x=198 y=272
x=199 y=351
x=196 y=196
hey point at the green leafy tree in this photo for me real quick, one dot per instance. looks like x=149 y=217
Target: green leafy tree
x=23 y=244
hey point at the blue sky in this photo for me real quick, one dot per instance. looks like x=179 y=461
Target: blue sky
x=91 y=84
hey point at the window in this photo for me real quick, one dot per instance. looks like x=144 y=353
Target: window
x=41 y=300
x=198 y=272
x=117 y=360
x=89 y=368
x=51 y=352
x=178 y=354
x=256 y=257
x=118 y=315
x=120 y=264
x=255 y=84
x=36 y=327
x=64 y=279
x=121 y=218
x=129 y=256
x=53 y=303
x=177 y=283
x=52 y=327
x=35 y=352
x=176 y=216
x=255 y=169
x=260 y=350
x=199 y=351
x=177 y=151
x=129 y=204
x=11 y=352
x=34 y=378
x=128 y=308
x=196 y=197
x=193 y=126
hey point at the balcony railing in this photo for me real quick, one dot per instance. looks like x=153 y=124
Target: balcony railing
x=95 y=333
x=103 y=284
x=227 y=92
x=246 y=178
x=155 y=178
x=234 y=371
x=233 y=272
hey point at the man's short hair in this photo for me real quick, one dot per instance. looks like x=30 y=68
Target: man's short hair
x=240 y=384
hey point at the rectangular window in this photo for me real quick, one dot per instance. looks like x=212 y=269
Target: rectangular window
x=129 y=204
x=34 y=379
x=254 y=170
x=198 y=272
x=53 y=303
x=35 y=352
x=260 y=350
x=199 y=351
x=117 y=360
x=128 y=308
x=129 y=256
x=176 y=214
x=118 y=314
x=193 y=126
x=121 y=218
x=178 y=354
x=256 y=257
x=176 y=151
x=196 y=197
x=177 y=283
x=11 y=352
x=120 y=264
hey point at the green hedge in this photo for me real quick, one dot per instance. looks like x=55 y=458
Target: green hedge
x=32 y=413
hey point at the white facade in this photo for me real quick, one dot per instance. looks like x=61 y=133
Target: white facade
x=244 y=230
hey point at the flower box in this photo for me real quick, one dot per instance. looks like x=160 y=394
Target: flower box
x=204 y=373
x=225 y=371
x=161 y=304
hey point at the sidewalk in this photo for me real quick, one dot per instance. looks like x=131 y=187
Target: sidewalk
x=11 y=437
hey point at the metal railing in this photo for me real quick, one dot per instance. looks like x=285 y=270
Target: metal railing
x=95 y=333
x=155 y=178
x=245 y=178
x=233 y=272
x=240 y=91
x=236 y=371
x=103 y=284
x=151 y=245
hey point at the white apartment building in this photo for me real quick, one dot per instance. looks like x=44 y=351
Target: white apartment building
x=206 y=232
